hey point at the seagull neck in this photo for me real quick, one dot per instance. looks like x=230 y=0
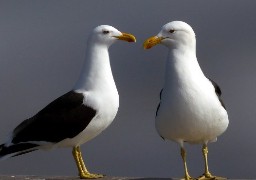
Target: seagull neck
x=182 y=65
x=96 y=70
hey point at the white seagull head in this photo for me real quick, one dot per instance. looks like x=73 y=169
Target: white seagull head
x=107 y=35
x=173 y=35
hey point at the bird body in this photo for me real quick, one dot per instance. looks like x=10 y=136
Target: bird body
x=97 y=85
x=185 y=113
x=79 y=115
x=190 y=108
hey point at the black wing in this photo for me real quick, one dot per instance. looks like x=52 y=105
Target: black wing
x=159 y=102
x=64 y=118
x=160 y=96
x=218 y=92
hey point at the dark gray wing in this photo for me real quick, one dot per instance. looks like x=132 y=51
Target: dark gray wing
x=218 y=92
x=63 y=118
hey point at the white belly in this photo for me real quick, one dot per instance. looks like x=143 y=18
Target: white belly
x=191 y=118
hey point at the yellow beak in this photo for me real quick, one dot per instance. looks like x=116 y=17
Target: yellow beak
x=152 y=41
x=126 y=37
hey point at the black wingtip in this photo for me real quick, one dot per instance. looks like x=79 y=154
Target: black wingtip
x=2 y=153
x=16 y=149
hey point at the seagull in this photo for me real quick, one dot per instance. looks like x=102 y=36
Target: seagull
x=190 y=108
x=79 y=115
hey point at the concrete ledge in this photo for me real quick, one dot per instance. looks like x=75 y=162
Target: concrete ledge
x=25 y=177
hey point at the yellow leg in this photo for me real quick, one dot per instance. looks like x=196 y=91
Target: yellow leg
x=207 y=175
x=183 y=155
x=80 y=158
x=83 y=172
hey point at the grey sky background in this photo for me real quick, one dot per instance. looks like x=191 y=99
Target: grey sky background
x=42 y=48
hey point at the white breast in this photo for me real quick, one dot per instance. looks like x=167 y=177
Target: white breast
x=192 y=114
x=107 y=107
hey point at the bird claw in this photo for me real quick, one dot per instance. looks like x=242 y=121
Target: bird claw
x=90 y=176
x=188 y=178
x=210 y=177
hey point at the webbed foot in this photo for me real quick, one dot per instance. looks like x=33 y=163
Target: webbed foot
x=88 y=175
x=208 y=176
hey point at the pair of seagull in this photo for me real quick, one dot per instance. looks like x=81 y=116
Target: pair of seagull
x=190 y=108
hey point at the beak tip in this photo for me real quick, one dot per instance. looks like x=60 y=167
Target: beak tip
x=146 y=45
x=152 y=41
x=127 y=37
x=132 y=40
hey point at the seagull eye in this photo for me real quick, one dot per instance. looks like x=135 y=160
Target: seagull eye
x=105 y=31
x=171 y=31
